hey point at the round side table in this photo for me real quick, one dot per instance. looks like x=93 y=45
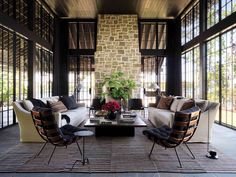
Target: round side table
x=83 y=134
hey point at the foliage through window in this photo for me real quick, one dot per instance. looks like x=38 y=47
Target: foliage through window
x=227 y=8
x=228 y=78
x=43 y=72
x=13 y=73
x=213 y=15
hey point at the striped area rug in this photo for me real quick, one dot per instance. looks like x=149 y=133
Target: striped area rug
x=113 y=154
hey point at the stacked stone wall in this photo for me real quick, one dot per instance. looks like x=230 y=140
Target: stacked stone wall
x=117 y=49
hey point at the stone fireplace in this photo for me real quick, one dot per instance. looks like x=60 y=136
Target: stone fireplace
x=117 y=49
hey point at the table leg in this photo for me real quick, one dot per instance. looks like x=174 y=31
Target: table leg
x=84 y=159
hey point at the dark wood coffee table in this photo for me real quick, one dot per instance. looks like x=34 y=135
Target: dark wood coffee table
x=116 y=127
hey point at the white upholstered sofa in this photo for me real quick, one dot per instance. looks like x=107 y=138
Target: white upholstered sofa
x=28 y=133
x=159 y=117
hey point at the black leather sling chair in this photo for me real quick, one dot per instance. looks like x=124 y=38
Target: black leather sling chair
x=184 y=125
x=48 y=129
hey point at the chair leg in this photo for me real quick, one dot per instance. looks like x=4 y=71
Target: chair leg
x=152 y=149
x=193 y=157
x=51 y=154
x=178 y=158
x=79 y=148
x=41 y=150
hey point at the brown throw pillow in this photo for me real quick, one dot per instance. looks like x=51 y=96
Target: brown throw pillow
x=165 y=103
x=188 y=104
x=57 y=106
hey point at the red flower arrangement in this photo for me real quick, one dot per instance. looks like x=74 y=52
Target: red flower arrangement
x=111 y=106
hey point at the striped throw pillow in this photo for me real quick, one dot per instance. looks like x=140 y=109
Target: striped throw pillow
x=57 y=106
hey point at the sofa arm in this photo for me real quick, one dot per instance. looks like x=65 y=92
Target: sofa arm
x=28 y=132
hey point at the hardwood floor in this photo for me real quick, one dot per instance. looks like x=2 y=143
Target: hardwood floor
x=224 y=139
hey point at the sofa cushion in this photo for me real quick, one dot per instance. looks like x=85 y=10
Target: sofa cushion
x=28 y=105
x=188 y=104
x=38 y=103
x=52 y=99
x=57 y=106
x=165 y=103
x=181 y=103
x=174 y=104
x=69 y=102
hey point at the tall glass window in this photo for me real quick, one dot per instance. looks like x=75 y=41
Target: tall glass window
x=153 y=71
x=73 y=36
x=81 y=78
x=213 y=61
x=191 y=73
x=163 y=76
x=82 y=35
x=227 y=8
x=190 y=24
x=213 y=14
x=43 y=72
x=13 y=73
x=21 y=75
x=6 y=78
x=17 y=9
x=44 y=22
x=228 y=78
x=22 y=11
x=196 y=20
x=153 y=35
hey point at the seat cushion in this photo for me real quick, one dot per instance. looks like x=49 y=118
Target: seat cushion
x=160 y=117
x=70 y=129
x=162 y=132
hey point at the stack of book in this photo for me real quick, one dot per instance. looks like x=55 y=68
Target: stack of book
x=128 y=117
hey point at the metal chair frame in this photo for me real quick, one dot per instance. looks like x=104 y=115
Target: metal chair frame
x=45 y=137
x=166 y=144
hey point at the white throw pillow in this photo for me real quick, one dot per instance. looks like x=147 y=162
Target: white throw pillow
x=174 y=105
x=181 y=103
x=28 y=105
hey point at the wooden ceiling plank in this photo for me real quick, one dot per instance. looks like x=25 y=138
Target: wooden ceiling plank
x=155 y=9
